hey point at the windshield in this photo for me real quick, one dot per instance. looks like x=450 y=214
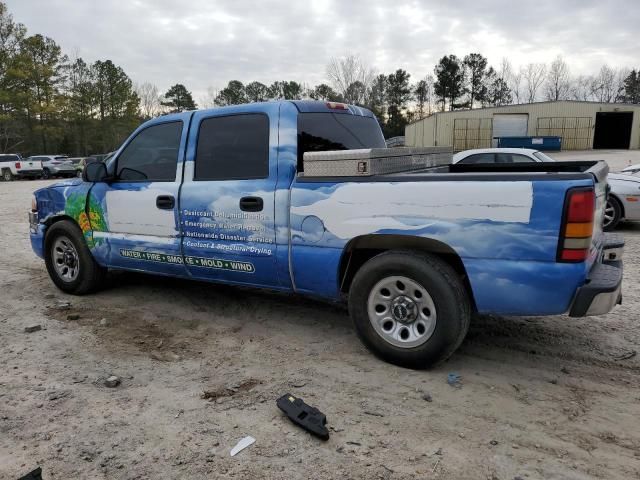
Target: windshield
x=542 y=157
x=318 y=132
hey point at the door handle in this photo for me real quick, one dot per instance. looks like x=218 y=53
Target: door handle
x=165 y=202
x=251 y=204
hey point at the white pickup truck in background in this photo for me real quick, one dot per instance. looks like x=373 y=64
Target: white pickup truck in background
x=14 y=166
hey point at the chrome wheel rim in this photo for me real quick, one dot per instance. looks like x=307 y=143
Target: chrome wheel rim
x=609 y=213
x=65 y=259
x=401 y=311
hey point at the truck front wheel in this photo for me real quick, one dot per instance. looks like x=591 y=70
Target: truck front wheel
x=68 y=259
x=410 y=309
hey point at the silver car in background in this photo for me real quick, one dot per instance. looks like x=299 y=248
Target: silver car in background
x=623 y=202
x=55 y=166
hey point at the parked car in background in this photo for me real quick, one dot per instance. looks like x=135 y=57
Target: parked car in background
x=500 y=155
x=55 y=166
x=623 y=201
x=78 y=163
x=14 y=166
x=632 y=169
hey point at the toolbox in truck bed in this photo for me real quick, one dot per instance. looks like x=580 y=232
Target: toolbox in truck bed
x=373 y=161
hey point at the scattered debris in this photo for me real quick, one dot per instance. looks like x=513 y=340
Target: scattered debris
x=32 y=328
x=73 y=316
x=357 y=444
x=33 y=475
x=62 y=305
x=180 y=412
x=104 y=322
x=58 y=394
x=373 y=414
x=438 y=452
x=298 y=383
x=625 y=356
x=49 y=296
x=565 y=370
x=516 y=387
x=553 y=381
x=242 y=444
x=309 y=418
x=112 y=382
x=435 y=466
x=454 y=380
x=242 y=387
x=427 y=397
x=493 y=442
x=461 y=435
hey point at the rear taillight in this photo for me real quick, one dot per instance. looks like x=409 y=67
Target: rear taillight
x=577 y=226
x=18 y=165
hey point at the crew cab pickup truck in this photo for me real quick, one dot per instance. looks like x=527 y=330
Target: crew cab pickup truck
x=14 y=166
x=221 y=195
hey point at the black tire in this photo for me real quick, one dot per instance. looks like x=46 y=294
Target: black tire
x=615 y=209
x=7 y=176
x=46 y=174
x=444 y=286
x=90 y=275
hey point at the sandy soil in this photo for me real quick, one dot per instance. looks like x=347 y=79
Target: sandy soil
x=540 y=397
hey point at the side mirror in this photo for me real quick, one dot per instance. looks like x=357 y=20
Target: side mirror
x=95 y=172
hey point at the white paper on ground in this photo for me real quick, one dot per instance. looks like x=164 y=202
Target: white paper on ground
x=242 y=444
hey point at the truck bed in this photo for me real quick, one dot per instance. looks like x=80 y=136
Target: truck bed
x=505 y=171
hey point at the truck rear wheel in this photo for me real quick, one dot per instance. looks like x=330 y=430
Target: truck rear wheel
x=410 y=309
x=68 y=259
x=7 y=176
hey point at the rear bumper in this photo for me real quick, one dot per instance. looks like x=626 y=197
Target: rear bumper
x=602 y=289
x=29 y=173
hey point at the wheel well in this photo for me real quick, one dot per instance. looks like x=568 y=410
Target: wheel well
x=620 y=204
x=58 y=218
x=361 y=249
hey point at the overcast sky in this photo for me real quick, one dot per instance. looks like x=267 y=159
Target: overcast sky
x=204 y=43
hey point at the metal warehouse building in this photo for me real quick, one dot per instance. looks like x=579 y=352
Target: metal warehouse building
x=582 y=125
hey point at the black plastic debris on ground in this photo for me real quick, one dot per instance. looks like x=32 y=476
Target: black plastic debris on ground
x=309 y=418
x=34 y=475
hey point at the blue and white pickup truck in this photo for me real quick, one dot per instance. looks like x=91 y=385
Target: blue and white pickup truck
x=220 y=195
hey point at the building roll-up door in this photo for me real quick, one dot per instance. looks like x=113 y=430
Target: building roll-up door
x=510 y=124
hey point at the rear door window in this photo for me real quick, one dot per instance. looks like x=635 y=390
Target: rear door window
x=512 y=158
x=233 y=147
x=479 y=158
x=319 y=132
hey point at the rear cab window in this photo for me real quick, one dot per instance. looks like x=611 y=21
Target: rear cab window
x=318 y=132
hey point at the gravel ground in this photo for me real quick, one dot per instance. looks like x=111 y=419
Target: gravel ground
x=547 y=397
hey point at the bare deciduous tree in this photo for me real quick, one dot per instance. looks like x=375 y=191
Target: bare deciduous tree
x=558 y=84
x=347 y=72
x=512 y=78
x=582 y=88
x=149 y=100
x=533 y=75
x=209 y=100
x=608 y=84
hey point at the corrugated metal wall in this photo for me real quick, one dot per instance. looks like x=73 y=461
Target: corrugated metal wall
x=574 y=121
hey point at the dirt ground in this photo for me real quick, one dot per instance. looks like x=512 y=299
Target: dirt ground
x=540 y=398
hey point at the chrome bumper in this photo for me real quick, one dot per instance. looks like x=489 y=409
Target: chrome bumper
x=33 y=221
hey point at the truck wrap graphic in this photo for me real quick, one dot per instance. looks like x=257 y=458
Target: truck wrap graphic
x=245 y=267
